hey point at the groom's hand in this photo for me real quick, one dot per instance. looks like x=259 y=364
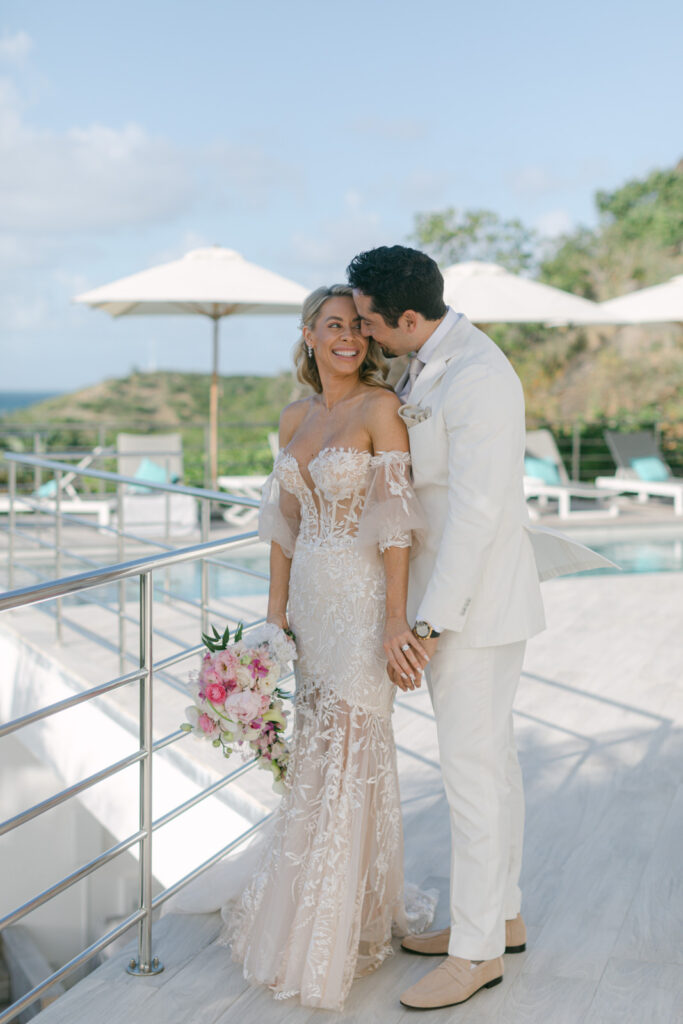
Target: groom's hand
x=406 y=656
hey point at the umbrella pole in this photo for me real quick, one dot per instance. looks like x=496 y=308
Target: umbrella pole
x=213 y=410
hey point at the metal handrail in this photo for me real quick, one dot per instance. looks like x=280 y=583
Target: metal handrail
x=114 y=573
x=117 y=478
x=79 y=583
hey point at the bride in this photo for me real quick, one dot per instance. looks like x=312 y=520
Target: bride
x=339 y=512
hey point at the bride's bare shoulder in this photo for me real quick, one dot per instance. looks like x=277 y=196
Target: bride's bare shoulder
x=382 y=403
x=291 y=418
x=384 y=425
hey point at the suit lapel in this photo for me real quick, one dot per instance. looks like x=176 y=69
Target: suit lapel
x=439 y=361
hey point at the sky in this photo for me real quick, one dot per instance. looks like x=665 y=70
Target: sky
x=297 y=134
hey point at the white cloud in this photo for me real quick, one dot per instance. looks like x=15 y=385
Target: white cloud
x=14 y=49
x=554 y=223
x=88 y=178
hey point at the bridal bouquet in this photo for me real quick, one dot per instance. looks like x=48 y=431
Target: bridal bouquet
x=237 y=698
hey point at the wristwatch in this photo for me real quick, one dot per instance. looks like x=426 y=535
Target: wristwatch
x=424 y=631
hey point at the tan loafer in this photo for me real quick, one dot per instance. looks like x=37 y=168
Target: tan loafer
x=454 y=981
x=436 y=943
x=515 y=935
x=428 y=943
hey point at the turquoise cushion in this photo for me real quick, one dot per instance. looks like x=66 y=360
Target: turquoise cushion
x=542 y=469
x=150 y=471
x=47 y=490
x=650 y=468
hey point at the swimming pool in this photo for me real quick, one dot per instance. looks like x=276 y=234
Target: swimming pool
x=635 y=550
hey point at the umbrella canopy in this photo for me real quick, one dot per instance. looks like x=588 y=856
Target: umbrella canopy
x=662 y=303
x=212 y=282
x=489 y=294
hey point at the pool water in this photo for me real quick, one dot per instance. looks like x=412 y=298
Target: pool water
x=636 y=551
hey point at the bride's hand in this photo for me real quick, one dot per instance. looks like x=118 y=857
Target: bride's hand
x=279 y=620
x=406 y=657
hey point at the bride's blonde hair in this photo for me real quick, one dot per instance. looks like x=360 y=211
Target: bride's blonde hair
x=373 y=369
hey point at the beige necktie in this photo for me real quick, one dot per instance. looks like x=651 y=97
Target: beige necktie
x=414 y=370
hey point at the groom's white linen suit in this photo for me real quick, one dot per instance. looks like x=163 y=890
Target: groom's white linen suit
x=475 y=577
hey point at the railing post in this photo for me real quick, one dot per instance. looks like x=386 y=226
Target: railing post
x=12 y=521
x=146 y=963
x=37 y=471
x=207 y=457
x=206 y=521
x=576 y=452
x=101 y=443
x=120 y=554
x=58 y=550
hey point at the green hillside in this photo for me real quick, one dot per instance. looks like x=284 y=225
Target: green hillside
x=249 y=407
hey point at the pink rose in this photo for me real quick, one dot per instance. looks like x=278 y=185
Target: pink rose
x=243 y=705
x=216 y=693
x=207 y=724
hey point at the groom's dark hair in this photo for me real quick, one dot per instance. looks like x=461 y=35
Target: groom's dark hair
x=397 y=278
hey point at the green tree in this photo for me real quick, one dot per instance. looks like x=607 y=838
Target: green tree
x=452 y=236
x=638 y=240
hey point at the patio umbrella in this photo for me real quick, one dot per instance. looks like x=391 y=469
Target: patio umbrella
x=213 y=282
x=490 y=294
x=662 y=303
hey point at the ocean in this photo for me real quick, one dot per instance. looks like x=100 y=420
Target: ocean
x=11 y=400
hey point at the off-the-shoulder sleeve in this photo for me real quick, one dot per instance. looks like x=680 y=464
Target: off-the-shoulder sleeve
x=392 y=516
x=279 y=516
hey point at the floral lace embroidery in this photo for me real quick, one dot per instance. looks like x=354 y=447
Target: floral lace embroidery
x=320 y=908
x=351 y=486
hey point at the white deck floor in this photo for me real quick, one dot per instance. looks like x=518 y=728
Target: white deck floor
x=600 y=731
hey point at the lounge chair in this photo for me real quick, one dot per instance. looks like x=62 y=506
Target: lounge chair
x=154 y=459
x=641 y=469
x=71 y=502
x=243 y=487
x=545 y=478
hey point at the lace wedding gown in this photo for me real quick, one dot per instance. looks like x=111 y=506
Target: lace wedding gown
x=319 y=911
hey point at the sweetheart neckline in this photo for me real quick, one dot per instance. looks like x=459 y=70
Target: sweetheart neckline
x=327 y=448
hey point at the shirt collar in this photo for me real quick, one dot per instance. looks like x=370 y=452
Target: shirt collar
x=426 y=351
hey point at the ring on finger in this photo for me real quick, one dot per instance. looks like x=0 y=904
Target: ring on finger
x=405 y=647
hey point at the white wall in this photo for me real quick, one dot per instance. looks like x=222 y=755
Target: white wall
x=51 y=846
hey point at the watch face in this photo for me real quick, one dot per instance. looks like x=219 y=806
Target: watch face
x=422 y=629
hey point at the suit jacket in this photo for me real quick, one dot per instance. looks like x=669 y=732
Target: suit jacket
x=478 y=568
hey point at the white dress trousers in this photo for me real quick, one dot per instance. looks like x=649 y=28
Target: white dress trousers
x=472 y=690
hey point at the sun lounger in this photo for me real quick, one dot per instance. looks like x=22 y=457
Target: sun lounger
x=154 y=458
x=242 y=487
x=71 y=502
x=641 y=469
x=545 y=478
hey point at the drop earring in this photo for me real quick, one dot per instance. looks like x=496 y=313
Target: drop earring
x=309 y=349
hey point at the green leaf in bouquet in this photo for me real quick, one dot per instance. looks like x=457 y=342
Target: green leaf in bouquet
x=238 y=632
x=226 y=637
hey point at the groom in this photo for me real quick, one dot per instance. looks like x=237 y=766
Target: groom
x=474 y=597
